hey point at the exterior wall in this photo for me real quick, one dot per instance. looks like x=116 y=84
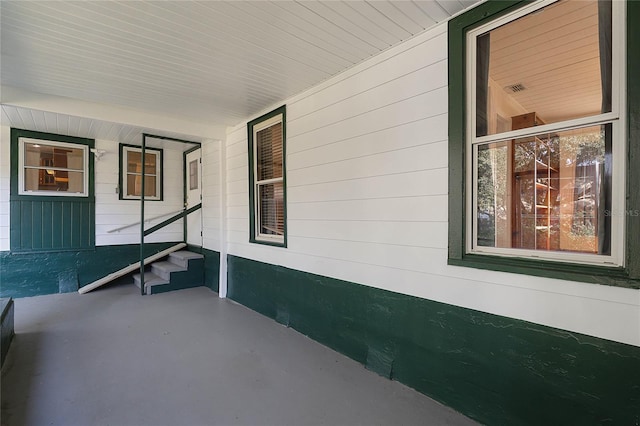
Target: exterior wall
x=5 y=156
x=33 y=274
x=367 y=199
x=546 y=375
x=211 y=195
x=112 y=213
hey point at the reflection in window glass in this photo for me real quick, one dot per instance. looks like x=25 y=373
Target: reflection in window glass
x=132 y=181
x=546 y=192
x=554 y=63
x=55 y=168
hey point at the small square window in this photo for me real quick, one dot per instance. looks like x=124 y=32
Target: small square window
x=131 y=173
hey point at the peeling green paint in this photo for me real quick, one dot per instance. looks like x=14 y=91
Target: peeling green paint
x=494 y=369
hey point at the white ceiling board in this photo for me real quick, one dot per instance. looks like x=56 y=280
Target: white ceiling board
x=50 y=122
x=556 y=61
x=218 y=62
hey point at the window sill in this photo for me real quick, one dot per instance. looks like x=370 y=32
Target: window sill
x=612 y=276
x=273 y=243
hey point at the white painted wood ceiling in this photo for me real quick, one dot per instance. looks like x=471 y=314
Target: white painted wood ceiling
x=212 y=61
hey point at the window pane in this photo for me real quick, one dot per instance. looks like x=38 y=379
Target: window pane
x=271 y=209
x=134 y=163
x=269 y=152
x=39 y=155
x=134 y=186
x=193 y=175
x=548 y=192
x=545 y=67
x=53 y=180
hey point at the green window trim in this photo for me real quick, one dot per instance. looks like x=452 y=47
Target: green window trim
x=42 y=223
x=121 y=172
x=627 y=276
x=253 y=232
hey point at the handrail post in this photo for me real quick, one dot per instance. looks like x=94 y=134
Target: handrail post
x=143 y=161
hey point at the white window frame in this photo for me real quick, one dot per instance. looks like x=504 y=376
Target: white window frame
x=279 y=239
x=125 y=155
x=21 y=167
x=617 y=119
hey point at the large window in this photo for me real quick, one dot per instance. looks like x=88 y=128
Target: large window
x=52 y=168
x=267 y=178
x=131 y=173
x=538 y=137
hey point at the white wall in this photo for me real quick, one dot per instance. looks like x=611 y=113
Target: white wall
x=367 y=198
x=211 y=195
x=5 y=155
x=112 y=213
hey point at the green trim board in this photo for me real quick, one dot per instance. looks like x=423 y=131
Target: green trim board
x=50 y=223
x=121 y=172
x=34 y=274
x=211 y=266
x=494 y=369
x=252 y=196
x=627 y=276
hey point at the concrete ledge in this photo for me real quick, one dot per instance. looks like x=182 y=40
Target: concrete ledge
x=6 y=327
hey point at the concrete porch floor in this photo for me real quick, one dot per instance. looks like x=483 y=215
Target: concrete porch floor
x=113 y=357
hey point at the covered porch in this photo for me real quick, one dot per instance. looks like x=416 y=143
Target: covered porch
x=187 y=358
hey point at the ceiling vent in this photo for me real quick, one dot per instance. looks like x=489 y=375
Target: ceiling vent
x=515 y=88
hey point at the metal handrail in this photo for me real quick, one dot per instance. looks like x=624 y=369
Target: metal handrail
x=146 y=221
x=180 y=215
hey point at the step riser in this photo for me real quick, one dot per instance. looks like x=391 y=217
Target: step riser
x=183 y=263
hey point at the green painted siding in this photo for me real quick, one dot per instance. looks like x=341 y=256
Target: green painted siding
x=52 y=225
x=44 y=223
x=211 y=266
x=34 y=274
x=494 y=369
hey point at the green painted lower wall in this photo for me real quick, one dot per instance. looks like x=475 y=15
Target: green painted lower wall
x=34 y=274
x=211 y=267
x=494 y=369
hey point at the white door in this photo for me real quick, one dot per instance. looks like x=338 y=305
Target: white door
x=193 y=175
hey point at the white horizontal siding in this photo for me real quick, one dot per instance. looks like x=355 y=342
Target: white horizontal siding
x=367 y=171
x=211 y=195
x=5 y=156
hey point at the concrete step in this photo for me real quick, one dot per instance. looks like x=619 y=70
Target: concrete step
x=183 y=257
x=165 y=268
